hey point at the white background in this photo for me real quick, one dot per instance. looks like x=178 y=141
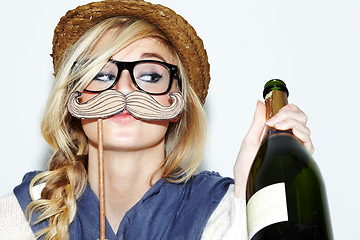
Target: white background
x=314 y=46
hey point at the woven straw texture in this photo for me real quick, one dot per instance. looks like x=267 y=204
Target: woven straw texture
x=183 y=36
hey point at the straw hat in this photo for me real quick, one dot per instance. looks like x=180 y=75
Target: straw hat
x=182 y=35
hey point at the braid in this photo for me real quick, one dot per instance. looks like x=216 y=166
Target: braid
x=64 y=184
x=65 y=180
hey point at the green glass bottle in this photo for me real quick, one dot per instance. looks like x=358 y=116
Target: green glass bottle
x=285 y=193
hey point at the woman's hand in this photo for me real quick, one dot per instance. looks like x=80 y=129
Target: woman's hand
x=289 y=117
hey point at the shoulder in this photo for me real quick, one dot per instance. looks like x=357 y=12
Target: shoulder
x=22 y=191
x=205 y=189
x=28 y=177
x=13 y=224
x=208 y=175
x=207 y=181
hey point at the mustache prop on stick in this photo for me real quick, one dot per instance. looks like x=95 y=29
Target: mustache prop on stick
x=139 y=104
x=108 y=103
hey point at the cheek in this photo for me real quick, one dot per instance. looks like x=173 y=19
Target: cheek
x=87 y=96
x=165 y=100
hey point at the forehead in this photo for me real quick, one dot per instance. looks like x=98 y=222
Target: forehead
x=132 y=50
x=146 y=48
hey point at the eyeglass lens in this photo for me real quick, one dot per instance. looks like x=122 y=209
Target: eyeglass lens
x=151 y=77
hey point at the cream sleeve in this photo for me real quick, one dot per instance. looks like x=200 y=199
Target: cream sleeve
x=228 y=221
x=13 y=225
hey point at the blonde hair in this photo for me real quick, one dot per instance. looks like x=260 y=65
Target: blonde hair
x=66 y=177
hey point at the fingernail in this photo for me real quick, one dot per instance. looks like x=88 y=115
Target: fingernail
x=270 y=122
x=278 y=124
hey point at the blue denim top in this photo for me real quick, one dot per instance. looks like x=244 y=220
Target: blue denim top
x=166 y=211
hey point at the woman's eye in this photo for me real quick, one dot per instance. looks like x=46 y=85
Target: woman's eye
x=153 y=77
x=104 y=77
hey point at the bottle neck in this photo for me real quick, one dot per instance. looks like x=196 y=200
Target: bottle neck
x=274 y=101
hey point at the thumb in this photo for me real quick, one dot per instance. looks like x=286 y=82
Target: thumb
x=257 y=127
x=248 y=150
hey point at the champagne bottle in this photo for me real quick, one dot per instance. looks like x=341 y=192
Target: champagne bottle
x=285 y=193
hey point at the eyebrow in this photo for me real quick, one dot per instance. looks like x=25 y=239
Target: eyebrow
x=152 y=55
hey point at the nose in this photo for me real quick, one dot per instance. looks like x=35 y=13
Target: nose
x=125 y=84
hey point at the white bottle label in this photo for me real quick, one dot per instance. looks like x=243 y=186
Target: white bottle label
x=267 y=206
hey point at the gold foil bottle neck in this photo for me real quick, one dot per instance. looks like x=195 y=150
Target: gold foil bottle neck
x=274 y=101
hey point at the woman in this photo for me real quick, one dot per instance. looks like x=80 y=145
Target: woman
x=152 y=190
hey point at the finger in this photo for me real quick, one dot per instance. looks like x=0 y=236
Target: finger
x=305 y=138
x=288 y=111
x=292 y=124
x=299 y=130
x=248 y=150
x=292 y=108
x=257 y=127
x=291 y=117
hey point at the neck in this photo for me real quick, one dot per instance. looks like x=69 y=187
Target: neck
x=128 y=176
x=124 y=169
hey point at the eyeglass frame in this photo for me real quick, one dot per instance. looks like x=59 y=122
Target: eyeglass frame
x=121 y=66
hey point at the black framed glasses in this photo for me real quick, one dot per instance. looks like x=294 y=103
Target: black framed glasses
x=151 y=76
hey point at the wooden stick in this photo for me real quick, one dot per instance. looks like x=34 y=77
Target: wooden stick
x=101 y=179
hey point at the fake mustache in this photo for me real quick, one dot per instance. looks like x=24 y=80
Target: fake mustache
x=139 y=104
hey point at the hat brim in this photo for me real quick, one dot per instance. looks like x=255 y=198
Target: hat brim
x=179 y=32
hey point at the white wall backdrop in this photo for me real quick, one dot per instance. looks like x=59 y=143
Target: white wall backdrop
x=312 y=45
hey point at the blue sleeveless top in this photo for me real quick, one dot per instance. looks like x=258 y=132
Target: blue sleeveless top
x=166 y=211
